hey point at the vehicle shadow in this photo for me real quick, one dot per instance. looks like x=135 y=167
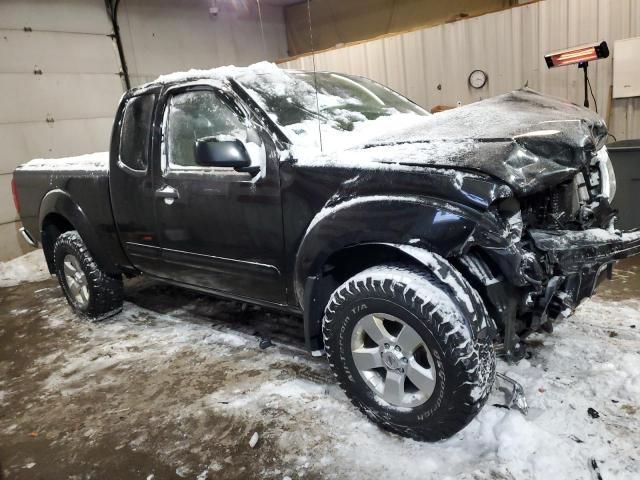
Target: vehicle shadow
x=262 y=323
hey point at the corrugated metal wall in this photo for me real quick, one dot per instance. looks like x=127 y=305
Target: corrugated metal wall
x=431 y=66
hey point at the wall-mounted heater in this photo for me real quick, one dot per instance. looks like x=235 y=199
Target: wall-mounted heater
x=581 y=55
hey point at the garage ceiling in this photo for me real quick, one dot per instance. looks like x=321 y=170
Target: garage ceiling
x=282 y=3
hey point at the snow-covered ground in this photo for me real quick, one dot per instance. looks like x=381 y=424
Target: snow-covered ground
x=176 y=386
x=27 y=268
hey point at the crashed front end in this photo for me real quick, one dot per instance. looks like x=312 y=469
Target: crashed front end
x=560 y=243
x=550 y=237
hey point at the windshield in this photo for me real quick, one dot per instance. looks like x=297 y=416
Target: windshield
x=346 y=103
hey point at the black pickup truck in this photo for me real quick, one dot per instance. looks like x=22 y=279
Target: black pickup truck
x=414 y=246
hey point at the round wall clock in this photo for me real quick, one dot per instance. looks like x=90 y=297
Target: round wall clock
x=478 y=79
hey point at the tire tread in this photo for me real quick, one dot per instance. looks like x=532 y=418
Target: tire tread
x=477 y=357
x=106 y=292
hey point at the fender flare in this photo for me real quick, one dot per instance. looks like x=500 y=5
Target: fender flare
x=480 y=324
x=443 y=227
x=60 y=202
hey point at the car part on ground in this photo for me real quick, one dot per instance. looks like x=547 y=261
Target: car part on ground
x=517 y=398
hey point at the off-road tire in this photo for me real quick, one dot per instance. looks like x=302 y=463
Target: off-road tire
x=465 y=365
x=105 y=290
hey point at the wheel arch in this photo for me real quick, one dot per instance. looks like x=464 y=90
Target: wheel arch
x=60 y=213
x=348 y=261
x=441 y=226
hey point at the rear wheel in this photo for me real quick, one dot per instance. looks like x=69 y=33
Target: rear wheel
x=90 y=291
x=403 y=352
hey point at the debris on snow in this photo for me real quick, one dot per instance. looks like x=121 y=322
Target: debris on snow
x=517 y=398
x=183 y=471
x=254 y=440
x=593 y=413
x=265 y=342
x=203 y=475
x=596 y=469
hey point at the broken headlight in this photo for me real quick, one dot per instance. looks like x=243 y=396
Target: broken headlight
x=607 y=175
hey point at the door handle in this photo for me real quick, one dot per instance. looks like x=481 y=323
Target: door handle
x=169 y=194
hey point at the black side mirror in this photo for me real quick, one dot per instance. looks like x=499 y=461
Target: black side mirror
x=220 y=152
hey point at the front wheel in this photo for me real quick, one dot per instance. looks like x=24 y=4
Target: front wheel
x=404 y=353
x=90 y=291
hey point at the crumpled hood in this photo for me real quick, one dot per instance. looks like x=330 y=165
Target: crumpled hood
x=528 y=140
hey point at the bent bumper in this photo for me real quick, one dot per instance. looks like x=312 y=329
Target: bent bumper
x=572 y=251
x=580 y=260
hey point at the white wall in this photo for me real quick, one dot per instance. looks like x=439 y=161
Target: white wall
x=79 y=87
x=76 y=92
x=509 y=46
x=164 y=36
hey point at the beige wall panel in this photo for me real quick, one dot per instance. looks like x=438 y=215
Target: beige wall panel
x=11 y=243
x=80 y=89
x=63 y=96
x=25 y=141
x=7 y=210
x=337 y=21
x=168 y=36
x=56 y=52
x=87 y=16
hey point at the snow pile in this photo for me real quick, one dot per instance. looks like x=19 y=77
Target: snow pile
x=27 y=268
x=98 y=161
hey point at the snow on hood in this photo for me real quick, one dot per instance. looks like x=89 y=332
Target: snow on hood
x=512 y=115
x=528 y=140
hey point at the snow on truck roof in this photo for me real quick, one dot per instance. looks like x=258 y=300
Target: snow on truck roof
x=350 y=108
x=220 y=74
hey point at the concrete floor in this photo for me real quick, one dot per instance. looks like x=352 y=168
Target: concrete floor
x=84 y=425
x=163 y=390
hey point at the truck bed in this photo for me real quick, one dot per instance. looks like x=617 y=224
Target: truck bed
x=84 y=180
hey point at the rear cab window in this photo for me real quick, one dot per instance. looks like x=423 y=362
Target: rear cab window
x=135 y=133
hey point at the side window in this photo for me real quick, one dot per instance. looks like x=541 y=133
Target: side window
x=193 y=115
x=134 y=134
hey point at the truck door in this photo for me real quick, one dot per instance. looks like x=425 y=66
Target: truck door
x=219 y=228
x=131 y=183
